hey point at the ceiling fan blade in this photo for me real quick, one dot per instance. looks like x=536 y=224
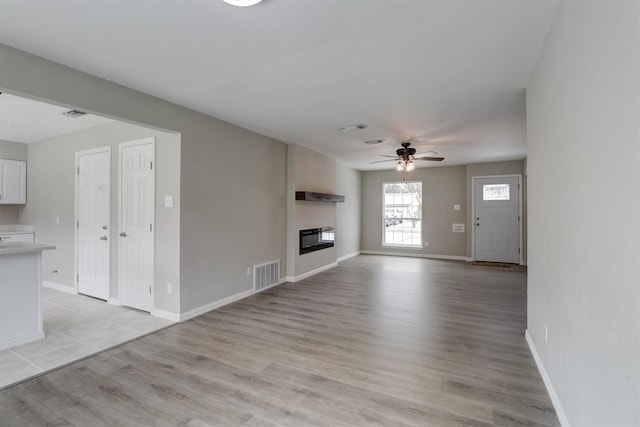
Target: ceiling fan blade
x=385 y=155
x=427 y=154
x=380 y=161
x=433 y=159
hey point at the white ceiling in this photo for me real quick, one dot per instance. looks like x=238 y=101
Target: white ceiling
x=25 y=120
x=449 y=73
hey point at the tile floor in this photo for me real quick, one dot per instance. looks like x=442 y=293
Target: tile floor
x=75 y=326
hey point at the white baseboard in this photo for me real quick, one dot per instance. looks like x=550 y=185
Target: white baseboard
x=14 y=343
x=280 y=282
x=216 y=304
x=311 y=273
x=212 y=306
x=351 y=255
x=233 y=298
x=409 y=254
x=115 y=301
x=562 y=416
x=59 y=287
x=164 y=314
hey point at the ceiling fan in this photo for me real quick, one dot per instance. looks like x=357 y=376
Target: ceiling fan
x=405 y=157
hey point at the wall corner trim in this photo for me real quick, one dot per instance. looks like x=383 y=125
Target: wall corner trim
x=59 y=287
x=351 y=255
x=115 y=301
x=562 y=416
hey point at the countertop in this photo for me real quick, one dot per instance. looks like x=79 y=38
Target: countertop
x=23 y=247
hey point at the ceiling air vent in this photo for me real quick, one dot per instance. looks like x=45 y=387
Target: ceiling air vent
x=73 y=113
x=374 y=141
x=353 y=128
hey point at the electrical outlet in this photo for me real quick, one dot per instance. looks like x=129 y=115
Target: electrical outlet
x=546 y=334
x=248 y=271
x=169 y=288
x=57 y=220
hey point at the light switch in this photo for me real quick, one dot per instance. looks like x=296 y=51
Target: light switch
x=168 y=201
x=456 y=207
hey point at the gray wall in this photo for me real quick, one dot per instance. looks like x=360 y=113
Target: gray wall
x=309 y=171
x=442 y=187
x=51 y=194
x=11 y=151
x=233 y=209
x=232 y=181
x=349 y=184
x=583 y=110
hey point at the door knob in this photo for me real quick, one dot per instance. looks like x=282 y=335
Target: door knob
x=103 y=237
x=104 y=227
x=123 y=234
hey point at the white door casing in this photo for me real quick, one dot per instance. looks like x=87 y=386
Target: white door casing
x=497 y=219
x=136 y=223
x=93 y=222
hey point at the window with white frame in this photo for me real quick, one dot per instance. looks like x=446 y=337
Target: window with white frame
x=402 y=213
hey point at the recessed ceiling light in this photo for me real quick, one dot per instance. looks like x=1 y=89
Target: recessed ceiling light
x=242 y=3
x=352 y=128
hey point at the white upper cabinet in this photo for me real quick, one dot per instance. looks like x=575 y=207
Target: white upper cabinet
x=13 y=182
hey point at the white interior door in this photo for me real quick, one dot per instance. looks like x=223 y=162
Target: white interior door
x=497 y=219
x=137 y=214
x=93 y=169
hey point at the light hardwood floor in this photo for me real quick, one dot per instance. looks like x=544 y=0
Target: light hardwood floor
x=375 y=341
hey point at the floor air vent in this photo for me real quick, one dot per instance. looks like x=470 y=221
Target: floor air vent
x=266 y=275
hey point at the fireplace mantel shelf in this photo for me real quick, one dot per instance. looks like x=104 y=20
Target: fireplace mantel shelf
x=311 y=196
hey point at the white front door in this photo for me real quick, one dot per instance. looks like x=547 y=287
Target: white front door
x=497 y=219
x=137 y=214
x=93 y=173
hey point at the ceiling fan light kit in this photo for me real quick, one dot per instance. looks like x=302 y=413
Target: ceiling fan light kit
x=407 y=166
x=405 y=157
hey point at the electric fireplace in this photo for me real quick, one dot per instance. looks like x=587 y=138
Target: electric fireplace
x=315 y=239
